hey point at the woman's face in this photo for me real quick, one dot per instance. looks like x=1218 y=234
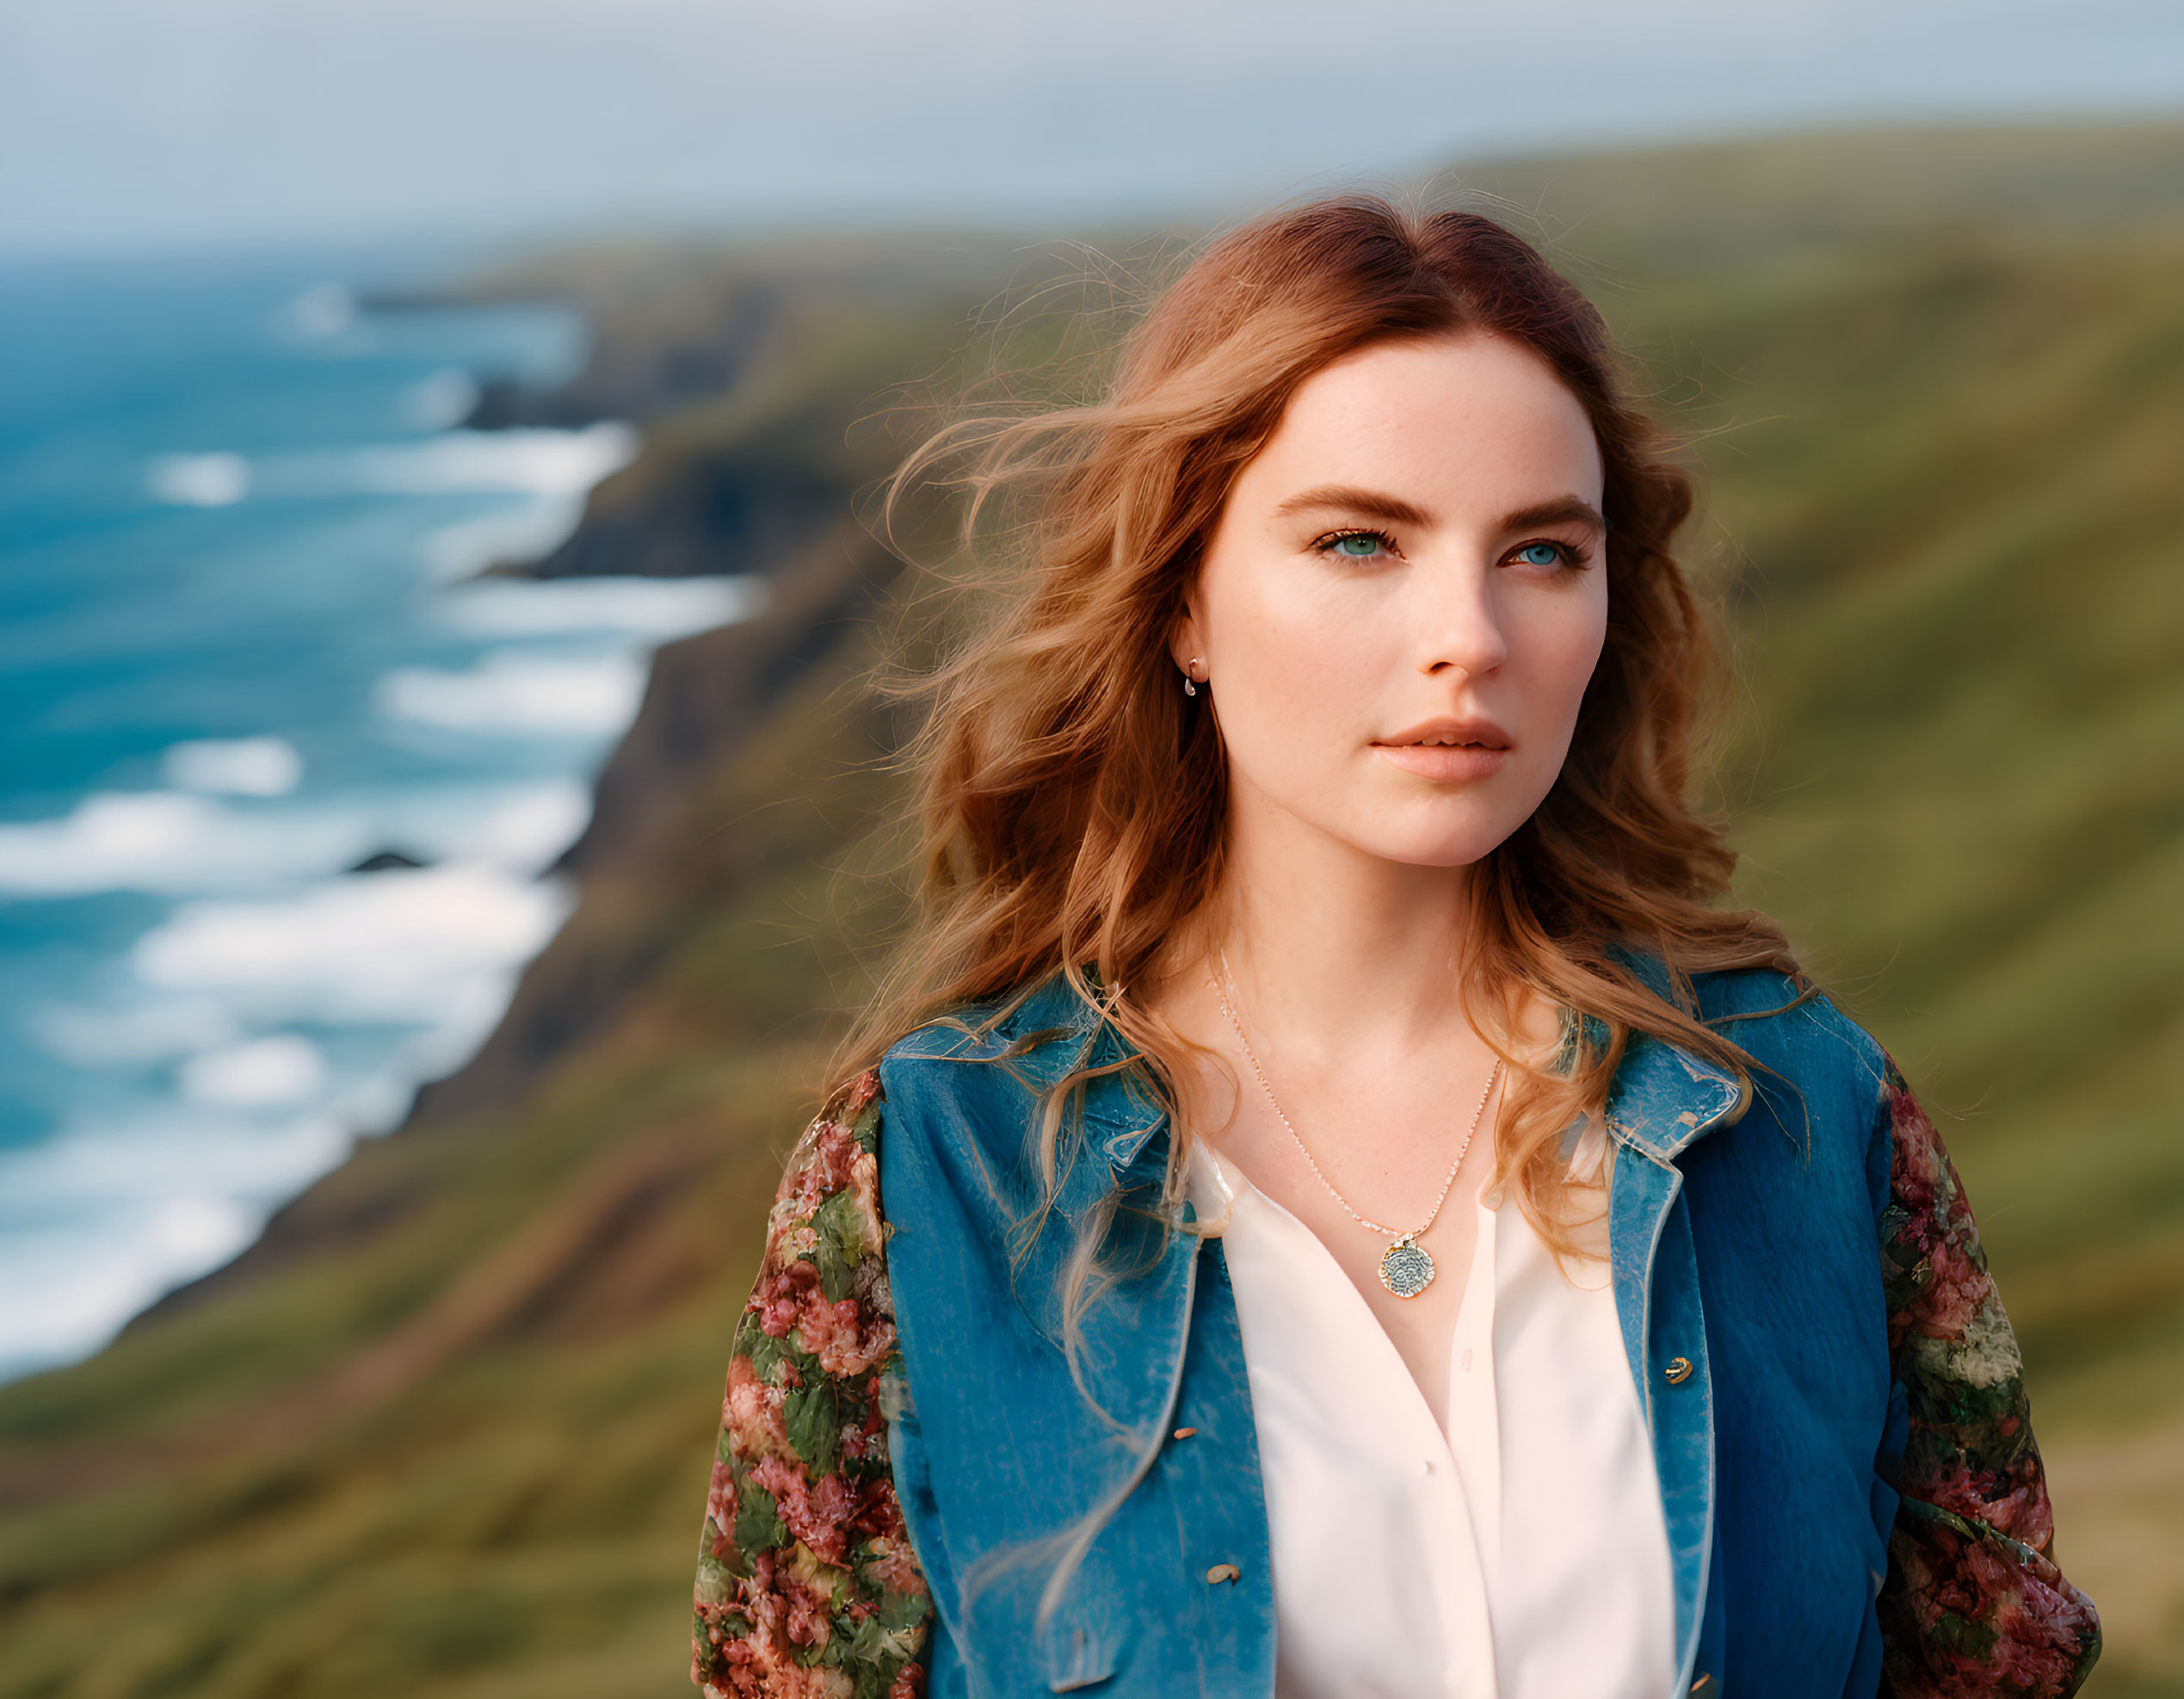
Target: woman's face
x=1403 y=599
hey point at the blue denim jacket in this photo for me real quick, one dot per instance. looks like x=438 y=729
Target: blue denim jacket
x=1801 y=1295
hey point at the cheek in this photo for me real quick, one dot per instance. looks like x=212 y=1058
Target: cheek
x=1326 y=654
x=1290 y=648
x=1558 y=647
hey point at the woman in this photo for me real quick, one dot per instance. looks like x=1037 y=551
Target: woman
x=1326 y=1205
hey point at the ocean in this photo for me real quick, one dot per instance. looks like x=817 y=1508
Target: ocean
x=280 y=778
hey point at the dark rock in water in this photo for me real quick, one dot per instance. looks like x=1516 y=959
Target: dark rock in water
x=382 y=860
x=502 y=404
x=646 y=370
x=710 y=510
x=621 y=389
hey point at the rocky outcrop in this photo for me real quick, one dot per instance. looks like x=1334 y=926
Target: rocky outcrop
x=708 y=696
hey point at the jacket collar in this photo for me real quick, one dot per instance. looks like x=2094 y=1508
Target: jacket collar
x=1664 y=1096
x=1051 y=1033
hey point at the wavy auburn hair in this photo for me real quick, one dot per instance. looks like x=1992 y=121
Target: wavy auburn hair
x=1074 y=800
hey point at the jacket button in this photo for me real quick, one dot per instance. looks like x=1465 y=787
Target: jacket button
x=1678 y=1371
x=1223 y=1572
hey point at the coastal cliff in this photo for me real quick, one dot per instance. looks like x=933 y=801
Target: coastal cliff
x=826 y=359
x=444 y=1430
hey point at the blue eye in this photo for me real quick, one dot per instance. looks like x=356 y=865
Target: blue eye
x=1362 y=545
x=1542 y=554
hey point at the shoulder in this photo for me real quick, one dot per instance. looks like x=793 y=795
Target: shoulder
x=1788 y=1025
x=1036 y=1028
x=976 y=1072
x=998 y=1116
x=1803 y=1041
x=1817 y=1079
x=966 y=1081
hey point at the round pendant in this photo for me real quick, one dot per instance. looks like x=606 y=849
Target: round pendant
x=1405 y=1269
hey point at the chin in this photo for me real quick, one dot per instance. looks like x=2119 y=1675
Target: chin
x=1456 y=848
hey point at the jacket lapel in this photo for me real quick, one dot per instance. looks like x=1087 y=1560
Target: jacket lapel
x=1662 y=1100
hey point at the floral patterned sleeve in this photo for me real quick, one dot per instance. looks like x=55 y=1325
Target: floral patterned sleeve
x=807 y=1586
x=1973 y=1603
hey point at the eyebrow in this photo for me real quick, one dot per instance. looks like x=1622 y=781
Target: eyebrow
x=1377 y=504
x=1348 y=498
x=1562 y=510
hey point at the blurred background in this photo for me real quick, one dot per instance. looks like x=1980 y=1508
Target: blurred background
x=436 y=801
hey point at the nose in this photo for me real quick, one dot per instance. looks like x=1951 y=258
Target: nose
x=1457 y=625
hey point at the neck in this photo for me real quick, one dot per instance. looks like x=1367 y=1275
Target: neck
x=1335 y=950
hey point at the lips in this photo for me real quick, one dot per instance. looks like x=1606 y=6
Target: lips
x=1448 y=734
x=1447 y=750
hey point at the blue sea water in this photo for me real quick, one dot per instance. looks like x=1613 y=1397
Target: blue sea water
x=242 y=651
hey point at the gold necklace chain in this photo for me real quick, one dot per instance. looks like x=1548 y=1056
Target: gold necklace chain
x=1405 y=1269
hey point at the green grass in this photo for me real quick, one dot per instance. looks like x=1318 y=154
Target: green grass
x=460 y=1448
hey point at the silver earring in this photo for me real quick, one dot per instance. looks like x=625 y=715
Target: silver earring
x=1190 y=684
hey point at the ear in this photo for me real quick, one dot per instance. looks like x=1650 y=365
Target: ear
x=1184 y=645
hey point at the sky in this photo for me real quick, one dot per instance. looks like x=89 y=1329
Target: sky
x=168 y=123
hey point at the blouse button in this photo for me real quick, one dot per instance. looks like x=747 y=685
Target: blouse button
x=1678 y=1371
x=1222 y=1572
x=1467 y=1357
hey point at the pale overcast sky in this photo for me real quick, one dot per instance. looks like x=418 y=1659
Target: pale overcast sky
x=155 y=122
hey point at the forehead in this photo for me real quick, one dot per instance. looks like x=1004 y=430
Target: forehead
x=1445 y=419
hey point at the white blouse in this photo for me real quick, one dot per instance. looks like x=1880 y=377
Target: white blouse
x=1522 y=1554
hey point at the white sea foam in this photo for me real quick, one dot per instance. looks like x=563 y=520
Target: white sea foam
x=528 y=532
x=421 y=946
x=526 y=462
x=233 y=766
x=546 y=463
x=656 y=609
x=276 y=1072
x=99 y=1220
x=199 y=480
x=103 y=1217
x=178 y=844
x=150 y=1030
x=513 y=692
x=519 y=829
x=164 y=841
x=524 y=829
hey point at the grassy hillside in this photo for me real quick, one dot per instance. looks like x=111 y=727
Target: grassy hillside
x=449 y=1435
